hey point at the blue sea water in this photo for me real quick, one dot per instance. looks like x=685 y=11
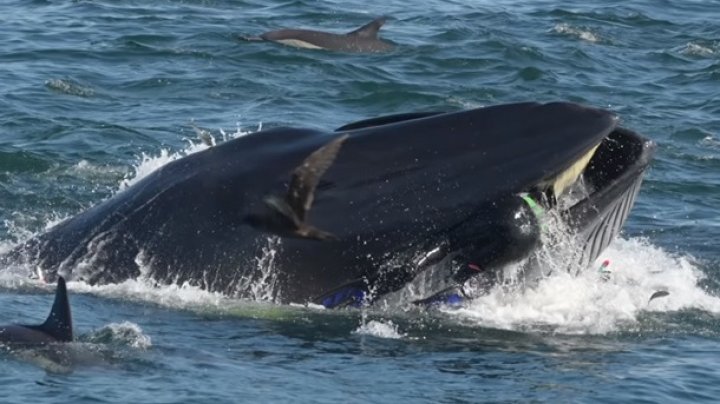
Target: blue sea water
x=94 y=94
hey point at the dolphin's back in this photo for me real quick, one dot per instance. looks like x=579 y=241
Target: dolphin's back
x=363 y=39
x=56 y=328
x=14 y=335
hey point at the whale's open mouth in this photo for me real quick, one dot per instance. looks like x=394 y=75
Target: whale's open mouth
x=593 y=197
x=597 y=204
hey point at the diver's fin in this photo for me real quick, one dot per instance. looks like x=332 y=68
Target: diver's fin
x=59 y=323
x=452 y=296
x=353 y=294
x=369 y=30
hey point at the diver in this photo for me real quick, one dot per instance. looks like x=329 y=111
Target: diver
x=508 y=236
x=496 y=234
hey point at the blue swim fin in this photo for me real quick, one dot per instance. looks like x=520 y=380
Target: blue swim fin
x=352 y=294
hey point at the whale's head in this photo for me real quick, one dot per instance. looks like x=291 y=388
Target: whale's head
x=475 y=184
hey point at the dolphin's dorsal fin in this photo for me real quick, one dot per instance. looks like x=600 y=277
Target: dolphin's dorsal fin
x=369 y=30
x=59 y=323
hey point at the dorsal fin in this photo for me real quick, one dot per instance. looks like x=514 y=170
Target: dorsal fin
x=59 y=323
x=369 y=30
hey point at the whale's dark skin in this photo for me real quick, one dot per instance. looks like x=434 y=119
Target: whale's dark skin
x=57 y=327
x=394 y=192
x=364 y=39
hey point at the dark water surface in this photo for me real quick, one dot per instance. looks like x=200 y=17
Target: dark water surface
x=97 y=93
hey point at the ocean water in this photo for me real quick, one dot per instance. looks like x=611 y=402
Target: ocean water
x=95 y=94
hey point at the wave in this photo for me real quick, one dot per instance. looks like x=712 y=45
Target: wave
x=380 y=329
x=697 y=49
x=584 y=34
x=70 y=87
x=126 y=334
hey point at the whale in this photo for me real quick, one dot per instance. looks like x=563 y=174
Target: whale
x=57 y=328
x=343 y=217
x=364 y=39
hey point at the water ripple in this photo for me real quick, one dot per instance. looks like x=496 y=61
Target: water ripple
x=70 y=87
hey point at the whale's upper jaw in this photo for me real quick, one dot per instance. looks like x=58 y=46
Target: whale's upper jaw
x=471 y=156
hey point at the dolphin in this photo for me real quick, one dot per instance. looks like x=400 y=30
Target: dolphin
x=56 y=328
x=363 y=39
x=343 y=216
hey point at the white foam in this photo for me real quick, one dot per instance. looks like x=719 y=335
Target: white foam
x=587 y=304
x=183 y=296
x=561 y=303
x=70 y=87
x=696 y=49
x=380 y=329
x=576 y=32
x=149 y=163
x=711 y=142
x=87 y=169
x=127 y=333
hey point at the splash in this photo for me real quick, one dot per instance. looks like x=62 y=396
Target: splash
x=123 y=334
x=699 y=49
x=576 y=32
x=711 y=142
x=589 y=304
x=70 y=87
x=149 y=163
x=593 y=302
x=88 y=170
x=380 y=329
x=263 y=286
x=554 y=297
x=184 y=296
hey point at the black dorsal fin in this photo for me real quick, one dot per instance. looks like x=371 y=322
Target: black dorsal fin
x=369 y=30
x=59 y=323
